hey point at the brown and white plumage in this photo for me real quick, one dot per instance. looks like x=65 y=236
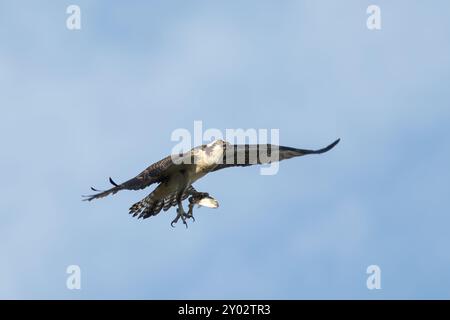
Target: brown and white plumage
x=175 y=176
x=151 y=205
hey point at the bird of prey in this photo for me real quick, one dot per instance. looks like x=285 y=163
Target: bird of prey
x=175 y=175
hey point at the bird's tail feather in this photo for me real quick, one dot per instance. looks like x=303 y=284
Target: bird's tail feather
x=151 y=205
x=146 y=207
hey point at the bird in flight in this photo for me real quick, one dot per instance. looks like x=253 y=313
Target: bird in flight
x=176 y=174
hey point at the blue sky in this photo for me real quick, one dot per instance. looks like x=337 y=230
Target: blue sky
x=80 y=106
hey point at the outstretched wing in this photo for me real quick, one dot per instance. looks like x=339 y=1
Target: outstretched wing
x=157 y=172
x=242 y=155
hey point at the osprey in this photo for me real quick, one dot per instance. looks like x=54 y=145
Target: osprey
x=176 y=174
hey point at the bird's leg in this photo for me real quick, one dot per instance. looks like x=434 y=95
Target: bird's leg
x=194 y=199
x=175 y=220
x=190 y=213
x=180 y=214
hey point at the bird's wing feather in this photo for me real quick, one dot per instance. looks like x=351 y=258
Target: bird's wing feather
x=156 y=172
x=250 y=154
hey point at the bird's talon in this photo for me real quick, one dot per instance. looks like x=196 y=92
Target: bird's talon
x=189 y=216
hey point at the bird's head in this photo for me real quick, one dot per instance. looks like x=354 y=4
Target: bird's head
x=217 y=144
x=214 y=151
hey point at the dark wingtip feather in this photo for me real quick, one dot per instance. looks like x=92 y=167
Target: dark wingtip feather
x=86 y=197
x=112 y=182
x=331 y=146
x=328 y=148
